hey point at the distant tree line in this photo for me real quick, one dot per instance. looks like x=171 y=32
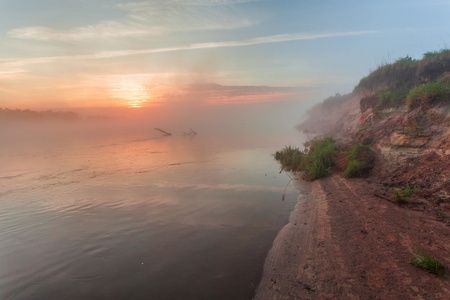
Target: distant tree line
x=19 y=114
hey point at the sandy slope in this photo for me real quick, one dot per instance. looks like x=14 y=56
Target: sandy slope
x=342 y=242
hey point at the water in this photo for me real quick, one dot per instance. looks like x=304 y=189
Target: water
x=138 y=217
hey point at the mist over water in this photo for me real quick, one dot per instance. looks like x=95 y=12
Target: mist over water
x=114 y=210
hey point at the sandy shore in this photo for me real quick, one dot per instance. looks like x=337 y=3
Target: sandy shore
x=342 y=242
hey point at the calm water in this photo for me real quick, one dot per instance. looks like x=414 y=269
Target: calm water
x=138 y=218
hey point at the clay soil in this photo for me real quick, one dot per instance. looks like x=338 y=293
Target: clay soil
x=344 y=242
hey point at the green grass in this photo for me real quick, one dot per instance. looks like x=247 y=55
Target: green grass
x=391 y=97
x=425 y=94
x=441 y=213
x=359 y=161
x=427 y=262
x=407 y=191
x=405 y=73
x=289 y=158
x=319 y=159
x=432 y=56
x=314 y=163
x=354 y=168
x=399 y=198
x=322 y=155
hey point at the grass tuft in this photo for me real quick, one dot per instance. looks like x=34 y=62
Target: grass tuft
x=360 y=161
x=407 y=191
x=425 y=94
x=426 y=261
x=399 y=198
x=441 y=213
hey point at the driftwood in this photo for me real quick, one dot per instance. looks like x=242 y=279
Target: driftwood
x=190 y=133
x=385 y=198
x=165 y=132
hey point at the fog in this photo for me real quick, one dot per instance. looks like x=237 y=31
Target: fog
x=235 y=123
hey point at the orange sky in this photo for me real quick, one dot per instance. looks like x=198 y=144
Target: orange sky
x=69 y=54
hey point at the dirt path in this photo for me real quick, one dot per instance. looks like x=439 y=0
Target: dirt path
x=342 y=242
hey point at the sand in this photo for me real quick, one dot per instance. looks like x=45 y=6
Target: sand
x=343 y=242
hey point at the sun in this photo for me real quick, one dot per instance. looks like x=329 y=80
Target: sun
x=132 y=95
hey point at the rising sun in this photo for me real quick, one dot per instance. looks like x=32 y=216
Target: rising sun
x=132 y=95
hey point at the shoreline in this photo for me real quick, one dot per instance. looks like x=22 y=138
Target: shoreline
x=342 y=242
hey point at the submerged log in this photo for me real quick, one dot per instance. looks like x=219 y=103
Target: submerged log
x=165 y=132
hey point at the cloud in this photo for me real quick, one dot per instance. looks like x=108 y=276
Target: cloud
x=121 y=53
x=216 y=94
x=102 y=30
x=151 y=18
x=143 y=4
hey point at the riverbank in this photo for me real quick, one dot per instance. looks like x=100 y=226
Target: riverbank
x=343 y=242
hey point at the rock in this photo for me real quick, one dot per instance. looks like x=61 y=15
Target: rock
x=404 y=140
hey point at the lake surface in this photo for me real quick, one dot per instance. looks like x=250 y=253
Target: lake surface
x=139 y=217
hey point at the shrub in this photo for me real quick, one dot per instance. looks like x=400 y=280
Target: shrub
x=289 y=158
x=319 y=159
x=354 y=168
x=358 y=161
x=425 y=94
x=429 y=263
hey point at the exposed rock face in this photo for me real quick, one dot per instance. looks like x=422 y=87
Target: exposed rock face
x=404 y=140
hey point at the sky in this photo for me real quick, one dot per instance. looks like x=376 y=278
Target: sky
x=63 y=54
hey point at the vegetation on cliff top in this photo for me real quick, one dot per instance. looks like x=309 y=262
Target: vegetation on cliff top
x=409 y=81
x=407 y=71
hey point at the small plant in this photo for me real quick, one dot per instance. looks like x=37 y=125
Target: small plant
x=441 y=213
x=426 y=261
x=366 y=141
x=399 y=198
x=407 y=191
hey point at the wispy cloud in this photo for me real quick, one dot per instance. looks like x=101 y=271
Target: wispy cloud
x=151 y=18
x=216 y=94
x=143 y=4
x=248 y=42
x=102 y=30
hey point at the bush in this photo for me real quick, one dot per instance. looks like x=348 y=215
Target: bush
x=289 y=158
x=322 y=155
x=425 y=94
x=359 y=161
x=319 y=159
x=354 y=168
